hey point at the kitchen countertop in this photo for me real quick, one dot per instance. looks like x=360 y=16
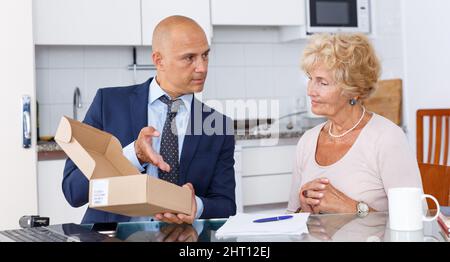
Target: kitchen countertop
x=50 y=150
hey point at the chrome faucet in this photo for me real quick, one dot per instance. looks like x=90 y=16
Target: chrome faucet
x=76 y=102
x=289 y=125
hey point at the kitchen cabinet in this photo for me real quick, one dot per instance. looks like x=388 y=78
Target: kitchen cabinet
x=153 y=12
x=51 y=200
x=258 y=12
x=266 y=173
x=87 y=22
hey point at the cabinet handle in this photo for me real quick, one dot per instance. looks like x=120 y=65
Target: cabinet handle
x=26 y=121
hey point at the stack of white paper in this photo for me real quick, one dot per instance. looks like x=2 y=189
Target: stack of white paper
x=243 y=225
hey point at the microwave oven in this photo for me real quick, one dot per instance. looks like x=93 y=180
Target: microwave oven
x=331 y=16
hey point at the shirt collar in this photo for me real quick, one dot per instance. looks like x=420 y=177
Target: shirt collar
x=155 y=92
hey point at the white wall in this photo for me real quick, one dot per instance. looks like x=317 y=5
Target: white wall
x=427 y=57
x=245 y=63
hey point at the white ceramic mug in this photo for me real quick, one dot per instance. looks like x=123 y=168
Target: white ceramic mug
x=409 y=236
x=406 y=208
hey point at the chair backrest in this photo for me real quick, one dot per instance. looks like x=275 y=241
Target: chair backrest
x=438 y=130
x=436 y=182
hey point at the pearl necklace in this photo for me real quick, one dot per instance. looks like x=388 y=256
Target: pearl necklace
x=348 y=131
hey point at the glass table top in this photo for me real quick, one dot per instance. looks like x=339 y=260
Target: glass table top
x=335 y=228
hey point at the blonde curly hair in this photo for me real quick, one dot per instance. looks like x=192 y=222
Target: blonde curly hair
x=350 y=57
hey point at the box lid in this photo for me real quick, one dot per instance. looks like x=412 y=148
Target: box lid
x=96 y=153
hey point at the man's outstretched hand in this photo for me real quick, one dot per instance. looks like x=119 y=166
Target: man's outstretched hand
x=144 y=149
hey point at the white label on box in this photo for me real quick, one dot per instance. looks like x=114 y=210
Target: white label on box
x=100 y=192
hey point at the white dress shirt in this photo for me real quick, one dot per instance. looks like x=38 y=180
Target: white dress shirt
x=157 y=113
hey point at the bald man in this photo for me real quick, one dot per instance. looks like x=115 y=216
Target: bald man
x=166 y=131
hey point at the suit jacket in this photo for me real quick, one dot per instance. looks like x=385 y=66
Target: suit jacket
x=207 y=161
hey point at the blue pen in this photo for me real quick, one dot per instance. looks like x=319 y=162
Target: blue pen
x=271 y=219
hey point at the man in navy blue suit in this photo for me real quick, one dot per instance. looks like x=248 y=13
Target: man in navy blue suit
x=166 y=132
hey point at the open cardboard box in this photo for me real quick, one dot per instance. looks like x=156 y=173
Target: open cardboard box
x=115 y=185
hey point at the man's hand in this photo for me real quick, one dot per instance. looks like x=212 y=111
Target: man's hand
x=181 y=218
x=177 y=233
x=144 y=149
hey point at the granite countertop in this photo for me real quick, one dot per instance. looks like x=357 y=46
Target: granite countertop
x=48 y=146
x=52 y=146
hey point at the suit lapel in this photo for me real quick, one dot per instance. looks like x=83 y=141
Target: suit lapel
x=138 y=107
x=191 y=139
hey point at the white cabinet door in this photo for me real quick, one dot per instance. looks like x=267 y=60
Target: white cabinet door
x=18 y=194
x=52 y=202
x=268 y=160
x=262 y=190
x=87 y=22
x=266 y=174
x=258 y=12
x=154 y=11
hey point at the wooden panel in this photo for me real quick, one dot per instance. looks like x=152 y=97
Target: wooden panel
x=387 y=100
x=51 y=155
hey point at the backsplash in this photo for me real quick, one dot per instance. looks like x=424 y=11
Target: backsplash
x=236 y=71
x=245 y=63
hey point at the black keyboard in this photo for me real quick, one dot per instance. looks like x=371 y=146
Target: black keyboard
x=35 y=234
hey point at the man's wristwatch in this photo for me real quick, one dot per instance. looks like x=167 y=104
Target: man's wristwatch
x=362 y=209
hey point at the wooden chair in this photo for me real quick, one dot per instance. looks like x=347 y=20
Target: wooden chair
x=436 y=182
x=438 y=128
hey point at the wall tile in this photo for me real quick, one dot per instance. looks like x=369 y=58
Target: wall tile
x=143 y=55
x=245 y=63
x=287 y=54
x=43 y=86
x=102 y=56
x=388 y=47
x=209 y=90
x=63 y=83
x=127 y=77
x=258 y=54
x=228 y=55
x=45 y=120
x=66 y=57
x=230 y=82
x=57 y=111
x=259 y=82
x=125 y=54
x=99 y=78
x=144 y=75
x=83 y=110
x=289 y=81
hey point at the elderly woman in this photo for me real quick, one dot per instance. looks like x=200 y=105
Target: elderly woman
x=347 y=164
